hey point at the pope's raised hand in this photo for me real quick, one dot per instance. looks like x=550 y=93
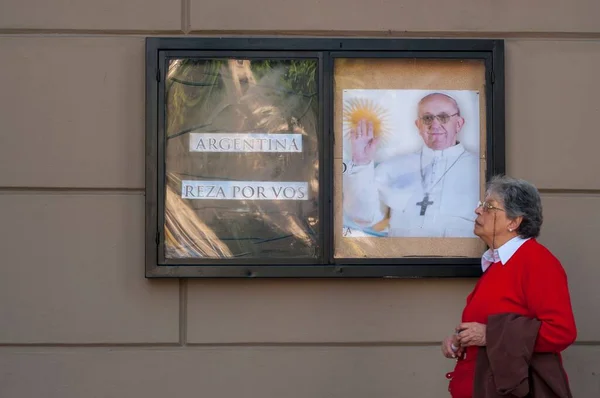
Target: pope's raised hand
x=363 y=143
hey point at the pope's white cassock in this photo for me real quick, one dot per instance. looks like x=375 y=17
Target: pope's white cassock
x=431 y=193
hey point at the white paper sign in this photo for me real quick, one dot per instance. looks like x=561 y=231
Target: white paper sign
x=242 y=142
x=244 y=190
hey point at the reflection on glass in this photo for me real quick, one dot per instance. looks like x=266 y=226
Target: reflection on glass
x=241 y=159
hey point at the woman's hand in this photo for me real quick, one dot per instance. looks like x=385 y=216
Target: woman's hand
x=451 y=348
x=471 y=334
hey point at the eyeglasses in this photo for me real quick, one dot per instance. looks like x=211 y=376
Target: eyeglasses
x=442 y=117
x=487 y=206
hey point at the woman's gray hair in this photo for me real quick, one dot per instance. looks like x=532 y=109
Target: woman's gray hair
x=520 y=198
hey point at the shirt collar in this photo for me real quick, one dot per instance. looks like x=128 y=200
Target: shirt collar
x=501 y=254
x=453 y=151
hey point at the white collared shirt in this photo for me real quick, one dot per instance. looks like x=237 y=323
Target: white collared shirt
x=503 y=253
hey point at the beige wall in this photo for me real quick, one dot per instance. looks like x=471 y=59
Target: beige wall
x=77 y=317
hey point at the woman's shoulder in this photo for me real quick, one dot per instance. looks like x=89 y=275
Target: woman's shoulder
x=538 y=255
x=532 y=245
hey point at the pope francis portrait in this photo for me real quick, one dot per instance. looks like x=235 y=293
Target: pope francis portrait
x=427 y=193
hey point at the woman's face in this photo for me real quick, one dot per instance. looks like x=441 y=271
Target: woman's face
x=491 y=221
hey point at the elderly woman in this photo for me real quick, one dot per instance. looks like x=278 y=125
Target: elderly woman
x=520 y=276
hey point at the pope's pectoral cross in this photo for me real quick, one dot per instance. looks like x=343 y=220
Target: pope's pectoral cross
x=424 y=203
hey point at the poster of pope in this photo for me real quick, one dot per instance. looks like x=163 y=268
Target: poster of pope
x=411 y=164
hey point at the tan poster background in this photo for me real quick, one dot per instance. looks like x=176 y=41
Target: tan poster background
x=417 y=74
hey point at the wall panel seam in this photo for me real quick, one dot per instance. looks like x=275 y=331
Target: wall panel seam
x=70 y=191
x=246 y=345
x=556 y=191
x=183 y=308
x=186 y=29
x=185 y=16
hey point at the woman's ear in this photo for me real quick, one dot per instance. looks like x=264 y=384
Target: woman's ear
x=514 y=224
